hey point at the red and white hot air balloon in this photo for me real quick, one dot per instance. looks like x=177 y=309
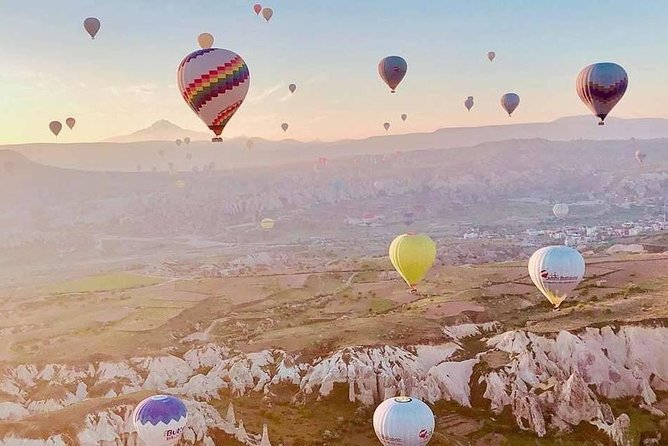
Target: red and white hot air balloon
x=214 y=82
x=257 y=8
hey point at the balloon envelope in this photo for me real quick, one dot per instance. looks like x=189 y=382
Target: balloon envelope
x=403 y=421
x=387 y=126
x=491 y=55
x=292 y=88
x=186 y=140
x=205 y=40
x=214 y=83
x=70 y=122
x=404 y=117
x=601 y=86
x=92 y=26
x=392 y=70
x=285 y=126
x=178 y=142
x=509 y=102
x=560 y=210
x=640 y=156
x=257 y=8
x=556 y=271
x=160 y=420
x=267 y=13
x=55 y=127
x=412 y=255
x=468 y=103
x=267 y=223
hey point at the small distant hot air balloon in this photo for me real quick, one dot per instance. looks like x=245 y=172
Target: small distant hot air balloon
x=403 y=421
x=408 y=218
x=70 y=122
x=560 y=210
x=392 y=70
x=55 y=127
x=178 y=142
x=249 y=144
x=509 y=102
x=285 y=126
x=267 y=223
x=322 y=161
x=412 y=255
x=205 y=40
x=186 y=140
x=92 y=26
x=404 y=117
x=640 y=156
x=556 y=271
x=491 y=55
x=214 y=83
x=267 y=13
x=292 y=88
x=468 y=103
x=257 y=8
x=368 y=218
x=180 y=184
x=386 y=126
x=160 y=420
x=601 y=86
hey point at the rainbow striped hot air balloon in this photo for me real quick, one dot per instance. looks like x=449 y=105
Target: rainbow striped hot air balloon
x=214 y=83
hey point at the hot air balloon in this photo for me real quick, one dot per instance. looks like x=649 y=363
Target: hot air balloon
x=509 y=102
x=560 y=210
x=491 y=55
x=408 y=218
x=205 y=40
x=92 y=26
x=292 y=88
x=160 y=420
x=267 y=223
x=249 y=144
x=392 y=70
x=412 y=255
x=640 y=156
x=285 y=126
x=404 y=117
x=601 y=86
x=55 y=127
x=368 y=218
x=70 y=122
x=257 y=8
x=386 y=126
x=468 y=103
x=178 y=142
x=186 y=140
x=556 y=271
x=267 y=13
x=180 y=184
x=214 y=83
x=403 y=421
x=322 y=161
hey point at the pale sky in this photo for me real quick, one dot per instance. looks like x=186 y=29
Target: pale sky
x=125 y=79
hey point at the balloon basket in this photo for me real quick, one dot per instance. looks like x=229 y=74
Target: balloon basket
x=217 y=139
x=601 y=123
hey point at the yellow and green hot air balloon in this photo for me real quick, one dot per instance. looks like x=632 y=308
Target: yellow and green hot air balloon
x=413 y=255
x=267 y=223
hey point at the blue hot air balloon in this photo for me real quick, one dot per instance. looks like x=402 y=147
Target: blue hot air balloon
x=160 y=420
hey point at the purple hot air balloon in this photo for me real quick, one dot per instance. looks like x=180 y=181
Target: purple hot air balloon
x=392 y=70
x=92 y=26
x=601 y=86
x=509 y=102
x=160 y=420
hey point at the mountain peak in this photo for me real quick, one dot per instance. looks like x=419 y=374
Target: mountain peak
x=161 y=130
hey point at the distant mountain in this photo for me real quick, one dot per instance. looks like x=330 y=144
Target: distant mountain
x=162 y=130
x=160 y=152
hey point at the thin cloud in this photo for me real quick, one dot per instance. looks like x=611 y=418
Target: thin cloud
x=264 y=94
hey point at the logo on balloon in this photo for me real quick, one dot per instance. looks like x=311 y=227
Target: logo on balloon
x=544 y=274
x=172 y=434
x=556 y=278
x=424 y=434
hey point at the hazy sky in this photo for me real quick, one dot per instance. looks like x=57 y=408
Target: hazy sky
x=125 y=79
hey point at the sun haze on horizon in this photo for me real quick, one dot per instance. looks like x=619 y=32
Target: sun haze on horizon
x=125 y=79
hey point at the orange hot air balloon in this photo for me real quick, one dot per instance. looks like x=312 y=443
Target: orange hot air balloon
x=55 y=127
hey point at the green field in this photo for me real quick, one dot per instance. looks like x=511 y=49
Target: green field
x=106 y=282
